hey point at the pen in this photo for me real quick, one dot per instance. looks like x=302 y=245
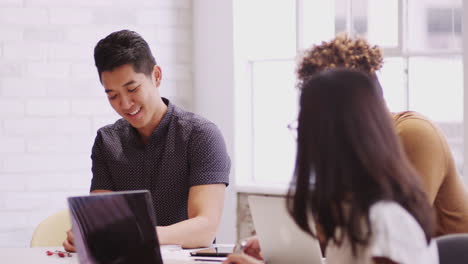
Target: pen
x=210 y=260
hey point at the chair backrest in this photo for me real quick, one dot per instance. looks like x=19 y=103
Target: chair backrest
x=453 y=249
x=51 y=232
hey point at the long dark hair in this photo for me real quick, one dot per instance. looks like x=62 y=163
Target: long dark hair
x=348 y=158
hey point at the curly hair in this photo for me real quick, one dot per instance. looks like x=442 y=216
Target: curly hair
x=342 y=51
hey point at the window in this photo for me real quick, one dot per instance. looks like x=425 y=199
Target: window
x=421 y=41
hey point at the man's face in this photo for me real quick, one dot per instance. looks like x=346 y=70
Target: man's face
x=133 y=95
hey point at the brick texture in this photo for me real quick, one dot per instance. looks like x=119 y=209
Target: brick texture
x=51 y=101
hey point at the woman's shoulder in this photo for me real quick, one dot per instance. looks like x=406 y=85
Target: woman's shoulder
x=391 y=217
x=387 y=208
x=397 y=235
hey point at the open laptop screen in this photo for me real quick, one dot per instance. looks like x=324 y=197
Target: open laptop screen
x=115 y=228
x=281 y=239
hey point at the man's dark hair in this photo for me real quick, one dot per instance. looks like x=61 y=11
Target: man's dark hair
x=123 y=47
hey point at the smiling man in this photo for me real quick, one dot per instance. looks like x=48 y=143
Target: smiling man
x=177 y=155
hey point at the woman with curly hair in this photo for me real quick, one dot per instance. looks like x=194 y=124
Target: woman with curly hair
x=343 y=52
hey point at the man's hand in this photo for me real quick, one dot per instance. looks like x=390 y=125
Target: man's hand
x=69 y=243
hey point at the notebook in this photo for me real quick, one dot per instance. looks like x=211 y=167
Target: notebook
x=281 y=240
x=117 y=227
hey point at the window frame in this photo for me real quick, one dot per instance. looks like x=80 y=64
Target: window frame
x=247 y=180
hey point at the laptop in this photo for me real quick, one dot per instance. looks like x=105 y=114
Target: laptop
x=281 y=240
x=117 y=227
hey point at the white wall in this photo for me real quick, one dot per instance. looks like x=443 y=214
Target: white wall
x=51 y=102
x=213 y=86
x=465 y=87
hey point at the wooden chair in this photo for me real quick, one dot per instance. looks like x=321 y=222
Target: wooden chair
x=51 y=232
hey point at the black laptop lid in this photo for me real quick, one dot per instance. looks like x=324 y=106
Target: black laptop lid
x=115 y=228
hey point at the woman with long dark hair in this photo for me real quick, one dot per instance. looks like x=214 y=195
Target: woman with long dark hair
x=352 y=177
x=423 y=142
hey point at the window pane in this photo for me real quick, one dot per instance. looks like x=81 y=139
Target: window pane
x=317 y=13
x=359 y=16
x=434 y=25
x=358 y=12
x=275 y=106
x=436 y=87
x=267 y=29
x=383 y=22
x=392 y=80
x=340 y=15
x=436 y=91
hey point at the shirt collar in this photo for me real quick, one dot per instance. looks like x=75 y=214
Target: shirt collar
x=160 y=130
x=165 y=121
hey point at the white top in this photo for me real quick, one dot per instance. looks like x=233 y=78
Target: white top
x=396 y=236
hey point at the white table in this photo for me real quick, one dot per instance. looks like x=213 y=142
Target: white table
x=170 y=254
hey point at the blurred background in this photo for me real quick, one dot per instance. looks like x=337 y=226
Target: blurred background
x=232 y=61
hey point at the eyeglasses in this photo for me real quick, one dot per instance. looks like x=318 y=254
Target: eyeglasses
x=293 y=128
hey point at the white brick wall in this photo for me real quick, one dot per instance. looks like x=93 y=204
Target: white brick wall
x=23 y=16
x=51 y=101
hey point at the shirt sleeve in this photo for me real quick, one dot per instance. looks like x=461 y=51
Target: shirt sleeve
x=208 y=159
x=398 y=236
x=424 y=147
x=101 y=177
